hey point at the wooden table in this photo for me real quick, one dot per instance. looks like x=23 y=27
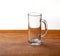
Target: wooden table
x=16 y=44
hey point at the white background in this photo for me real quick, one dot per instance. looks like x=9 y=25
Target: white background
x=13 y=13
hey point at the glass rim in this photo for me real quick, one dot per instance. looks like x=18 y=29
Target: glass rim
x=34 y=14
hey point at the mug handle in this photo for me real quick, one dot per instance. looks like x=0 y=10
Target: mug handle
x=45 y=23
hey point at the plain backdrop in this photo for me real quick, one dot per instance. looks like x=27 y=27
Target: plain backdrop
x=13 y=13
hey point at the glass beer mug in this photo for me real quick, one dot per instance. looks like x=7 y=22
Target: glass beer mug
x=34 y=28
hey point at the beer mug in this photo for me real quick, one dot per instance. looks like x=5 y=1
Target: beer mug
x=35 y=27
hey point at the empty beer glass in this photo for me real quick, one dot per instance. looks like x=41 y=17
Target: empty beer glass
x=34 y=28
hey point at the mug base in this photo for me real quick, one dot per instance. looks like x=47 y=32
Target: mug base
x=35 y=42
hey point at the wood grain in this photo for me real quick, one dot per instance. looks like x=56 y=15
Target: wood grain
x=50 y=34
x=16 y=44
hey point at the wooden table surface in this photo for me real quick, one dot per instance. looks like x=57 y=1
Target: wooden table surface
x=15 y=44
